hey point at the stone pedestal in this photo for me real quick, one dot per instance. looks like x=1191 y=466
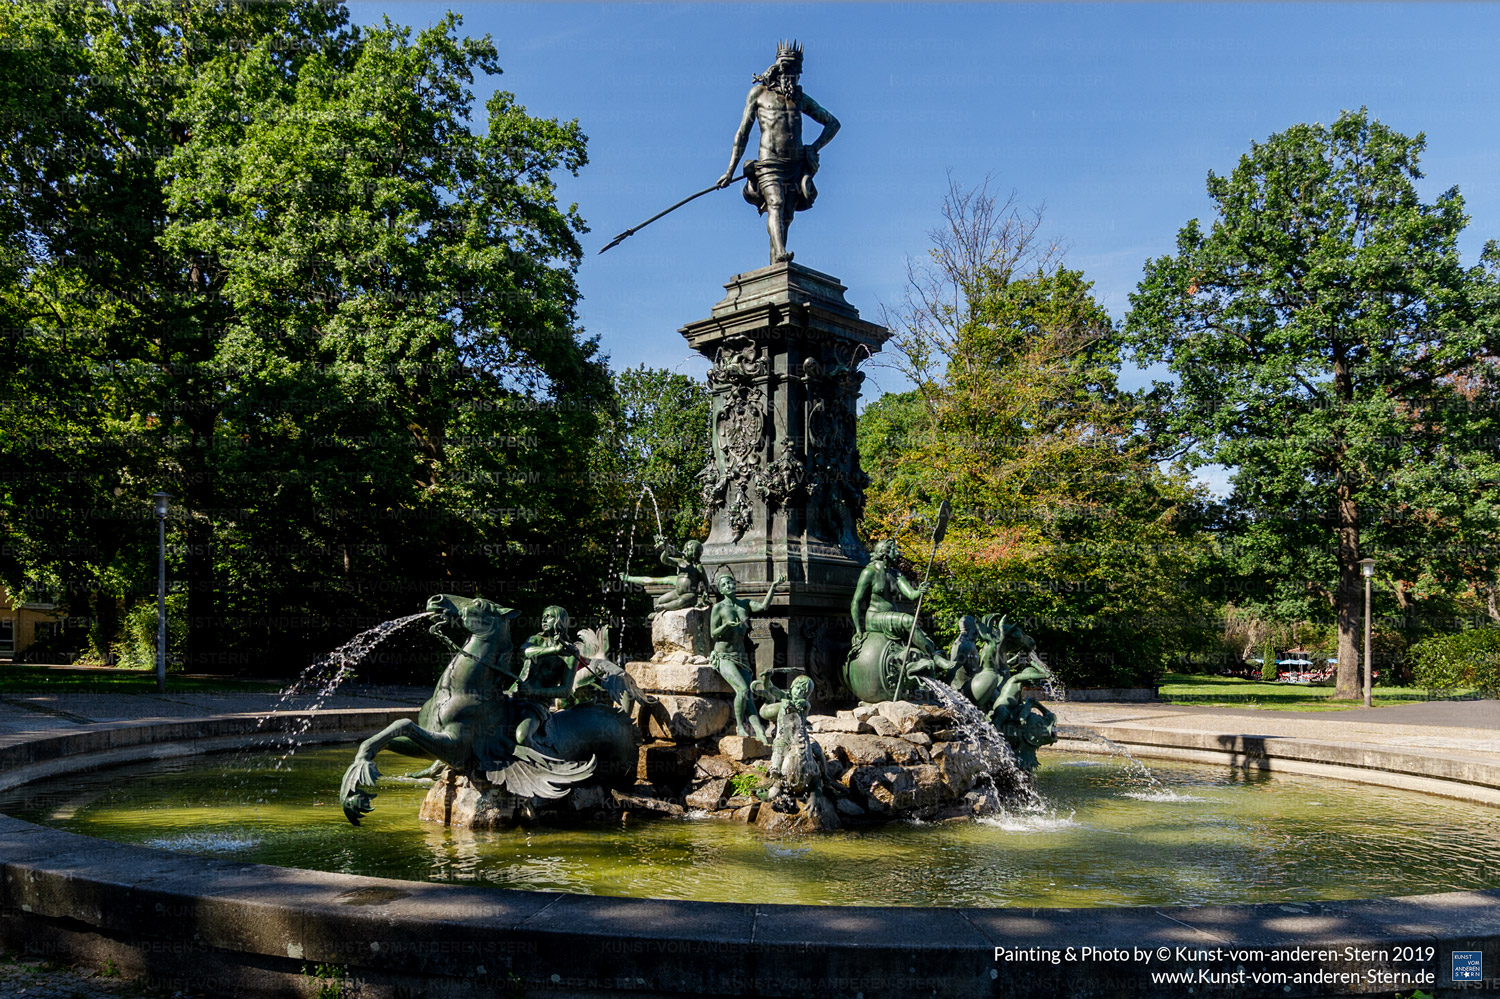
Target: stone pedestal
x=680 y=631
x=785 y=488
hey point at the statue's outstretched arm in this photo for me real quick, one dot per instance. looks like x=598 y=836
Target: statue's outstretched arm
x=761 y=605
x=909 y=591
x=535 y=650
x=566 y=649
x=742 y=137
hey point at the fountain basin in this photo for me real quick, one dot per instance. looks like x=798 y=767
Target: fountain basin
x=219 y=925
x=1107 y=834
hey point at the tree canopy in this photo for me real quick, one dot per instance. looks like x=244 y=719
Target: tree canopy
x=263 y=259
x=657 y=439
x=1061 y=517
x=1328 y=344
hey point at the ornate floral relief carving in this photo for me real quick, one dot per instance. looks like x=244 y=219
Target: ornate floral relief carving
x=739 y=433
x=785 y=476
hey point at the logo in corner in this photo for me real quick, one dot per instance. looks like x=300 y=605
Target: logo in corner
x=1468 y=966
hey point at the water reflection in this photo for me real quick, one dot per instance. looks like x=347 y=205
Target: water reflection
x=1196 y=834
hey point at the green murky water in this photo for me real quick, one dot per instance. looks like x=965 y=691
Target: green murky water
x=1202 y=835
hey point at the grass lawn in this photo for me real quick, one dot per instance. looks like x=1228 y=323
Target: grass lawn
x=23 y=678
x=1232 y=691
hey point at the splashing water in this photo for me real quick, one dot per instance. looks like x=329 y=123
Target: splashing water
x=656 y=508
x=1032 y=822
x=999 y=759
x=323 y=678
x=613 y=582
x=972 y=722
x=1052 y=684
x=1163 y=795
x=203 y=843
x=1148 y=786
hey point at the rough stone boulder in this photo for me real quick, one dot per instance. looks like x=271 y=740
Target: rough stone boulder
x=470 y=803
x=709 y=795
x=869 y=749
x=908 y=717
x=671 y=677
x=844 y=721
x=743 y=747
x=643 y=800
x=686 y=716
x=680 y=631
x=959 y=762
x=787 y=814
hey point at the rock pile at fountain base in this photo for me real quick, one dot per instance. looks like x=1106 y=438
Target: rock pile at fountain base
x=885 y=762
x=469 y=801
x=888 y=762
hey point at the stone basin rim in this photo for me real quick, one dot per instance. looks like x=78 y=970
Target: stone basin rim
x=257 y=926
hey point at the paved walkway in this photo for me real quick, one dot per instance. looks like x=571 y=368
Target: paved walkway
x=22 y=715
x=1460 y=726
x=1464 y=727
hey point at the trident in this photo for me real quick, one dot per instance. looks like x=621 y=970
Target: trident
x=635 y=229
x=944 y=512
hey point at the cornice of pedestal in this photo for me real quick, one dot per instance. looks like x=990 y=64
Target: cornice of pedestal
x=784 y=301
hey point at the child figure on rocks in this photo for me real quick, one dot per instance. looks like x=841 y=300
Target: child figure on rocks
x=689 y=586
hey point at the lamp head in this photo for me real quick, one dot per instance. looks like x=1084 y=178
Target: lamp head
x=161 y=503
x=1367 y=567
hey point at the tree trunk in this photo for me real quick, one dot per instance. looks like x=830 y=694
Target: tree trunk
x=106 y=623
x=1348 y=602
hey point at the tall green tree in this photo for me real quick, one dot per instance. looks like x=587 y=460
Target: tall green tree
x=1327 y=343
x=657 y=439
x=1062 y=518
x=265 y=260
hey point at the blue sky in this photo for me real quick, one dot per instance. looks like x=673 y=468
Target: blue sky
x=1110 y=115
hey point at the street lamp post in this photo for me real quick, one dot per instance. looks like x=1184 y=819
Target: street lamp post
x=161 y=589
x=1367 y=570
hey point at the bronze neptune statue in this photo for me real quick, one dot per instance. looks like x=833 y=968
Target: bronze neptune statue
x=779 y=182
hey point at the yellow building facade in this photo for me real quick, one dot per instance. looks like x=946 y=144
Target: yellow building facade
x=23 y=625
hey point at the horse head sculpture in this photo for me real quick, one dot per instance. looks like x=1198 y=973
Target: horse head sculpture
x=471 y=719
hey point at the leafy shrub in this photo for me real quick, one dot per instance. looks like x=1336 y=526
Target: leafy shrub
x=1468 y=659
x=135 y=648
x=1268 y=671
x=332 y=981
x=747 y=782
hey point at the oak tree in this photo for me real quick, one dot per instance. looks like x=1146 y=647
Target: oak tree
x=1328 y=344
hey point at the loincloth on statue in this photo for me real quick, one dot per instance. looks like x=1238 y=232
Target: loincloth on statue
x=791 y=179
x=722 y=661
